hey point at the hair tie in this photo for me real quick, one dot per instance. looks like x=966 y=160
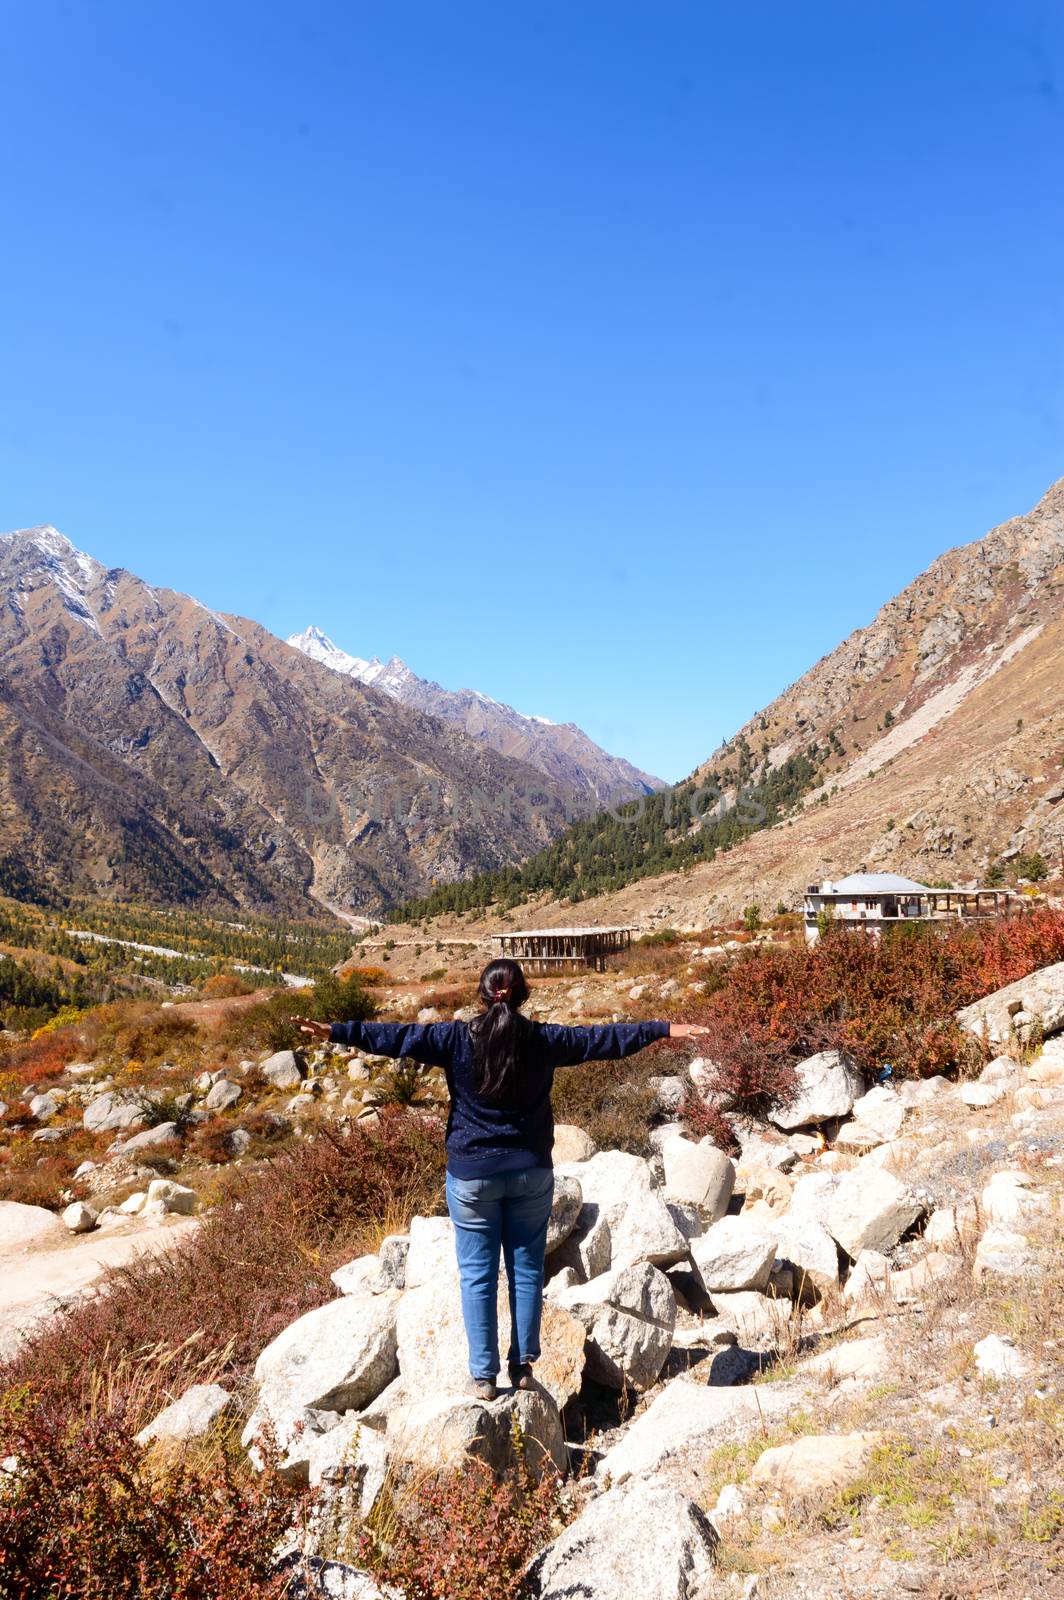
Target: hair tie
x=500 y=994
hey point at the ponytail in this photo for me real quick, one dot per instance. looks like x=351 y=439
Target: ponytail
x=499 y=1031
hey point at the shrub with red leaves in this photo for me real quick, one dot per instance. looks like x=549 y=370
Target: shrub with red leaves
x=467 y=1536
x=891 y=1001
x=84 y=1515
x=261 y=1258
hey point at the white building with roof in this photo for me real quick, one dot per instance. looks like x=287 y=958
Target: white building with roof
x=868 y=902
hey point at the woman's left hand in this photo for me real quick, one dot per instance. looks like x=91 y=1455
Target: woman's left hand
x=316 y=1030
x=687 y=1030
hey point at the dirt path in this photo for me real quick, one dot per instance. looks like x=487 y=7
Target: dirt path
x=34 y=1283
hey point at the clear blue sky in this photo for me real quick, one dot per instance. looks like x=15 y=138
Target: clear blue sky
x=615 y=358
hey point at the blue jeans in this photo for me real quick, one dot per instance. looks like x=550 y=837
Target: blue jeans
x=509 y=1213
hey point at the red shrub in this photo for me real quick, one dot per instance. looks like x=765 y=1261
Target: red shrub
x=467 y=1537
x=891 y=1001
x=261 y=1258
x=39 y=1060
x=703 y=1120
x=86 y=1515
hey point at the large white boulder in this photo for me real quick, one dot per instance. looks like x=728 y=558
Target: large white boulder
x=629 y=1315
x=827 y=1086
x=1020 y=1010
x=434 y=1354
x=222 y=1095
x=871 y=1210
x=587 y=1249
x=698 y=1173
x=336 y=1358
x=644 y=1541
x=189 y=1417
x=431 y=1252
x=572 y=1144
x=25 y=1227
x=734 y=1254
x=640 y=1226
x=113 y=1109
x=811 y=1252
x=442 y=1430
x=686 y=1419
x=565 y=1209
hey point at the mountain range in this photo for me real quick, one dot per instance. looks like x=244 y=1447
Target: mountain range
x=929 y=742
x=561 y=750
x=154 y=748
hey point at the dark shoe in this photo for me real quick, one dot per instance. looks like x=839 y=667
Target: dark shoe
x=484 y=1389
x=521 y=1375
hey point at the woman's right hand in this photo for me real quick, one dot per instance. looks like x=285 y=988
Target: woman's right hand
x=315 y=1030
x=687 y=1030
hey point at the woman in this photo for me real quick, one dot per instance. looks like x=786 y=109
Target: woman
x=500 y=1182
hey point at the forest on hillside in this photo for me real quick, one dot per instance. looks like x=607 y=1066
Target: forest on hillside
x=663 y=832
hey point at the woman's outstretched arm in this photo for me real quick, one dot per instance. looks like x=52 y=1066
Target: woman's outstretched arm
x=430 y=1043
x=611 y=1041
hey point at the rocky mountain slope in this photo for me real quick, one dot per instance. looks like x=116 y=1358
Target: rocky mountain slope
x=561 y=750
x=155 y=748
x=939 y=739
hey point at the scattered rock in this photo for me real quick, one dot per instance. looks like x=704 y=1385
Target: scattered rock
x=112 y=1110
x=1010 y=1197
x=161 y=1133
x=222 y=1095
x=980 y=1096
x=1002 y=1253
x=356 y=1277
x=189 y=1417
x=572 y=1144
x=766 y=1194
x=171 y=1196
x=133 y=1203
x=45 y=1106
x=685 y=1418
x=312 y=1578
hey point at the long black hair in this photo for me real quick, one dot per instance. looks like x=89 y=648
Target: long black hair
x=499 y=1031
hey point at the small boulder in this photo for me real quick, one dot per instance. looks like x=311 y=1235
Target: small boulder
x=1002 y=1253
x=79 y=1217
x=171 y=1196
x=997 y=1357
x=189 y=1417
x=870 y=1211
x=643 y=1541
x=629 y=1316
x=811 y=1252
x=282 y=1070
x=572 y=1143
x=45 y=1106
x=981 y=1096
x=147 y=1139
x=113 y=1110
x=734 y=1254
x=223 y=1095
x=816 y=1463
x=565 y=1209
x=355 y=1277
x=698 y=1174
x=827 y=1085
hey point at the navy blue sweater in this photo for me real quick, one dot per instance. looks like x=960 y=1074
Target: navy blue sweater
x=483 y=1138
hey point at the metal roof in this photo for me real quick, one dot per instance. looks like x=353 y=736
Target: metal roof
x=542 y=933
x=875 y=883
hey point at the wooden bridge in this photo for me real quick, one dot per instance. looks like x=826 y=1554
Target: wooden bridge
x=543 y=950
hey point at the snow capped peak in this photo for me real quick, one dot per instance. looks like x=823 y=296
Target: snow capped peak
x=58 y=561
x=319 y=647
